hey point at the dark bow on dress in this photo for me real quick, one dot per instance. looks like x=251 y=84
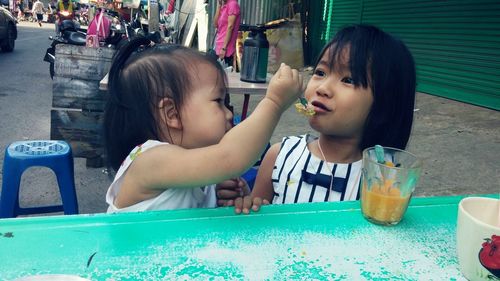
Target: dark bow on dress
x=339 y=184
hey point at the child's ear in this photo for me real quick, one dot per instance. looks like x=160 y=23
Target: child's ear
x=169 y=113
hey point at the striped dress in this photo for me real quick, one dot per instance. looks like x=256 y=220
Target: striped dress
x=299 y=176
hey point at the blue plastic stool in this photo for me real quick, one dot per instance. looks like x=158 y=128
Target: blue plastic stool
x=52 y=154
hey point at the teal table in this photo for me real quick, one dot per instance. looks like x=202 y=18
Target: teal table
x=316 y=241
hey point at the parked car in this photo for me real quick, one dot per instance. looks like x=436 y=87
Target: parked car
x=8 y=30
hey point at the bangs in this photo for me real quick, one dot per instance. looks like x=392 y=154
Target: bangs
x=349 y=50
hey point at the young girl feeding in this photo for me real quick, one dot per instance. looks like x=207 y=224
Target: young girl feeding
x=168 y=132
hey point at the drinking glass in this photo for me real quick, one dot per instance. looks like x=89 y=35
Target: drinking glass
x=388 y=182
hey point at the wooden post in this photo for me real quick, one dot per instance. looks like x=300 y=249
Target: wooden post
x=185 y=20
x=153 y=16
x=197 y=23
x=91 y=12
x=202 y=19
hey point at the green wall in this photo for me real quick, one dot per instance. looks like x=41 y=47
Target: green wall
x=456 y=44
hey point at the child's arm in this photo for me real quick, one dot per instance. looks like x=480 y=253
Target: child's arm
x=168 y=166
x=263 y=191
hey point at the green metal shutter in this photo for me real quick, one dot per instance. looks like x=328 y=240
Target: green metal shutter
x=345 y=12
x=324 y=19
x=455 y=43
x=316 y=26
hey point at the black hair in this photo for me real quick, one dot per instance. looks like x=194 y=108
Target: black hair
x=140 y=76
x=383 y=63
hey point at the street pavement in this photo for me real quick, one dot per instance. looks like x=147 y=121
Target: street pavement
x=25 y=104
x=459 y=143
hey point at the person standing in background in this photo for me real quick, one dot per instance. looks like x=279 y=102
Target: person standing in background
x=64 y=11
x=227 y=23
x=38 y=10
x=20 y=10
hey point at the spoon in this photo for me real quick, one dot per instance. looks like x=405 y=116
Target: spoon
x=379 y=154
x=303 y=101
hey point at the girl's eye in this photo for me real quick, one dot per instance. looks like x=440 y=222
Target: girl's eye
x=319 y=72
x=347 y=80
x=219 y=100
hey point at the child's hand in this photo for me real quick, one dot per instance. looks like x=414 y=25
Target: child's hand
x=243 y=204
x=285 y=87
x=231 y=189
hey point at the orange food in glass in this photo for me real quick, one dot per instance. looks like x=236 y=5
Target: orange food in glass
x=383 y=204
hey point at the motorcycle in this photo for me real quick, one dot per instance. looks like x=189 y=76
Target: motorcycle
x=122 y=31
x=82 y=16
x=68 y=34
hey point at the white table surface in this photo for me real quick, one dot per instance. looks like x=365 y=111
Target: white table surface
x=235 y=85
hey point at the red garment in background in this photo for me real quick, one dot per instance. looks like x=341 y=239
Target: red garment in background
x=231 y=8
x=171 y=7
x=104 y=29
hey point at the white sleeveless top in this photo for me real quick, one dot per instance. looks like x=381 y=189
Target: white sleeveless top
x=299 y=176
x=171 y=198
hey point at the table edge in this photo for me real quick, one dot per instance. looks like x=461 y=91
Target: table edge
x=191 y=214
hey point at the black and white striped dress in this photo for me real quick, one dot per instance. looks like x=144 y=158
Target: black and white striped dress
x=299 y=176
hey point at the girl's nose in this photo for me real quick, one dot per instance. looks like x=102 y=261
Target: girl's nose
x=324 y=89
